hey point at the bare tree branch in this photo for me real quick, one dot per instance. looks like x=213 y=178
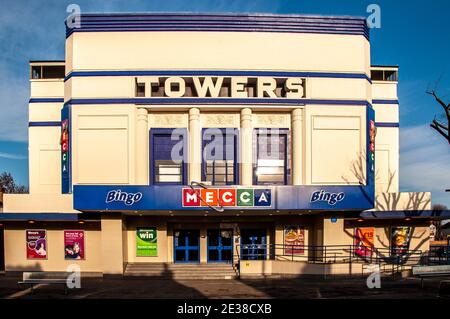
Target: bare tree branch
x=441 y=128
x=436 y=127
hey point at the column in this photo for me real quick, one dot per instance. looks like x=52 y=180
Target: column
x=296 y=129
x=203 y=245
x=142 y=142
x=195 y=145
x=112 y=244
x=246 y=146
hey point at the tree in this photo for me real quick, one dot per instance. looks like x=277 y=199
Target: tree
x=439 y=207
x=440 y=126
x=9 y=186
x=391 y=200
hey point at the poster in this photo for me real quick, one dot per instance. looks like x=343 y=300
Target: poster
x=400 y=238
x=146 y=242
x=74 y=244
x=36 y=243
x=294 y=240
x=364 y=241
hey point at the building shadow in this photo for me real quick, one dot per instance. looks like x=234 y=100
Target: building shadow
x=162 y=286
x=337 y=287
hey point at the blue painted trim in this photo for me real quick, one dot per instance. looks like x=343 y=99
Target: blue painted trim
x=66 y=179
x=221 y=22
x=169 y=197
x=46 y=100
x=399 y=214
x=218 y=29
x=385 y=102
x=386 y=124
x=228 y=101
x=165 y=131
x=368 y=191
x=220 y=73
x=41 y=124
x=39 y=216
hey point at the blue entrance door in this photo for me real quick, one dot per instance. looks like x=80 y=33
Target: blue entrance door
x=253 y=244
x=186 y=246
x=220 y=245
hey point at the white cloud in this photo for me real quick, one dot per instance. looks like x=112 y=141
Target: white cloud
x=14 y=95
x=27 y=32
x=12 y=156
x=34 y=30
x=425 y=162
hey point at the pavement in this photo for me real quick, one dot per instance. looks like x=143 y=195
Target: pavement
x=154 y=288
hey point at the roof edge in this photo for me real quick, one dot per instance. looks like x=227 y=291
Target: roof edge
x=242 y=14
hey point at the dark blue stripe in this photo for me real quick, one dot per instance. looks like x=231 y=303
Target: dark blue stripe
x=386 y=124
x=46 y=100
x=5 y=216
x=221 y=22
x=39 y=216
x=186 y=16
x=214 y=30
x=53 y=123
x=220 y=73
x=183 y=24
x=281 y=101
x=384 y=101
x=397 y=214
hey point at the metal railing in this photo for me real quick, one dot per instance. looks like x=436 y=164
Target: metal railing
x=328 y=254
x=437 y=255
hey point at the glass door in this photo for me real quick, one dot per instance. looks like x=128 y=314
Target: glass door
x=220 y=245
x=253 y=244
x=186 y=246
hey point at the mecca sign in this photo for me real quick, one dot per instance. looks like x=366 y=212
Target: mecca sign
x=227 y=197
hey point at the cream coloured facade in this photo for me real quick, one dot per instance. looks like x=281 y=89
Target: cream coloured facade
x=124 y=93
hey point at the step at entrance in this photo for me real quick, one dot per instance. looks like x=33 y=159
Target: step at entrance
x=180 y=271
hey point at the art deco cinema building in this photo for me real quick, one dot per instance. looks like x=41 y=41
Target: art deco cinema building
x=309 y=163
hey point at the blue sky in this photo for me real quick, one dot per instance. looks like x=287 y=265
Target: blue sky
x=414 y=34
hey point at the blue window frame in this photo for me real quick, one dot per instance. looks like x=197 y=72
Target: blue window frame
x=271 y=157
x=164 y=169
x=219 y=156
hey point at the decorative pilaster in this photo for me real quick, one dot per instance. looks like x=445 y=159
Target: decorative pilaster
x=142 y=157
x=296 y=129
x=246 y=135
x=195 y=145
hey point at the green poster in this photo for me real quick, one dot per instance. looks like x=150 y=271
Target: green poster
x=146 y=242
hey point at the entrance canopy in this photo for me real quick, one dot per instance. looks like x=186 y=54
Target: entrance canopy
x=179 y=197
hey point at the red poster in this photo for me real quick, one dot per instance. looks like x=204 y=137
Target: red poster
x=294 y=240
x=364 y=241
x=36 y=243
x=74 y=244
